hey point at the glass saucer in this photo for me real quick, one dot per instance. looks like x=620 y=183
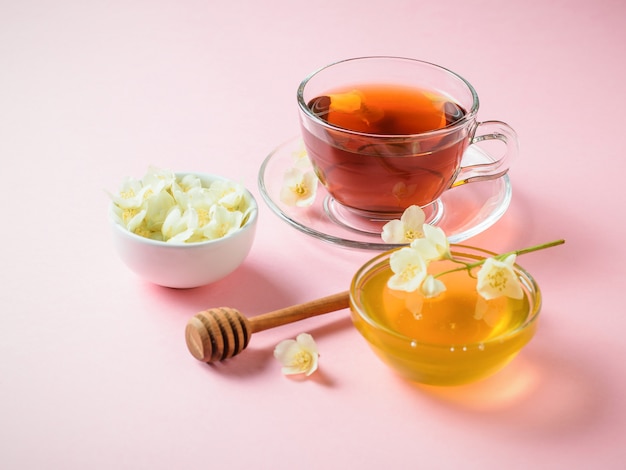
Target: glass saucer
x=461 y=212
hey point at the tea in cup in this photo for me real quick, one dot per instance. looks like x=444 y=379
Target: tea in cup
x=385 y=133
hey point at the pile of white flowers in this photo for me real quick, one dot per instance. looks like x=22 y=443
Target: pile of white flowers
x=180 y=209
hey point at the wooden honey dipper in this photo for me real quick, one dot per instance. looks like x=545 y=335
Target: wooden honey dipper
x=219 y=333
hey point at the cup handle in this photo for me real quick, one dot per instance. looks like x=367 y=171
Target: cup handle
x=490 y=130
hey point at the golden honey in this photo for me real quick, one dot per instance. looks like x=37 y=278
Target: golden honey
x=454 y=338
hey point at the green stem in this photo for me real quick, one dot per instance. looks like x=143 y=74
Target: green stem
x=543 y=246
x=523 y=251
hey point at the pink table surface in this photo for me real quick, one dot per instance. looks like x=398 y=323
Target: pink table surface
x=94 y=371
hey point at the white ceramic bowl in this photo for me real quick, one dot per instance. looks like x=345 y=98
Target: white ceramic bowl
x=191 y=264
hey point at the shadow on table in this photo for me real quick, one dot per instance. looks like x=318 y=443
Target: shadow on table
x=544 y=390
x=247 y=290
x=259 y=355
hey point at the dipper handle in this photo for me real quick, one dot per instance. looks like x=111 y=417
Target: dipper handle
x=299 y=312
x=219 y=333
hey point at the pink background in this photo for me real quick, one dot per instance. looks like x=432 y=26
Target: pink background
x=94 y=371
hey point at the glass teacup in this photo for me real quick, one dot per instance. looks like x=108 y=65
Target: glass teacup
x=385 y=133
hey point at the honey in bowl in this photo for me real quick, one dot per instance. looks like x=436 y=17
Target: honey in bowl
x=454 y=338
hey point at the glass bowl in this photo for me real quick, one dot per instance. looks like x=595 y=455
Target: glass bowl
x=455 y=338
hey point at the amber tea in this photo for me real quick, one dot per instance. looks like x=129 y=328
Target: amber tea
x=386 y=110
x=385 y=133
x=410 y=165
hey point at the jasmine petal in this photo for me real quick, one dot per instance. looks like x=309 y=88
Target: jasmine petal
x=130 y=194
x=497 y=278
x=228 y=195
x=299 y=188
x=222 y=222
x=158 y=179
x=133 y=218
x=409 y=268
x=158 y=207
x=408 y=228
x=432 y=287
x=437 y=237
x=178 y=226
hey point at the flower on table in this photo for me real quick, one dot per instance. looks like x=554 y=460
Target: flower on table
x=298 y=356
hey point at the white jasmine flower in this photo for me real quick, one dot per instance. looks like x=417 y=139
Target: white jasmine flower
x=133 y=218
x=180 y=196
x=222 y=222
x=123 y=216
x=497 y=278
x=298 y=356
x=157 y=208
x=246 y=207
x=432 y=287
x=131 y=194
x=434 y=246
x=179 y=226
x=231 y=196
x=158 y=179
x=409 y=268
x=190 y=193
x=189 y=182
x=438 y=239
x=410 y=227
x=299 y=188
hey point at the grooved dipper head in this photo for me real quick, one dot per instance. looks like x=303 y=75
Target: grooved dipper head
x=217 y=334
